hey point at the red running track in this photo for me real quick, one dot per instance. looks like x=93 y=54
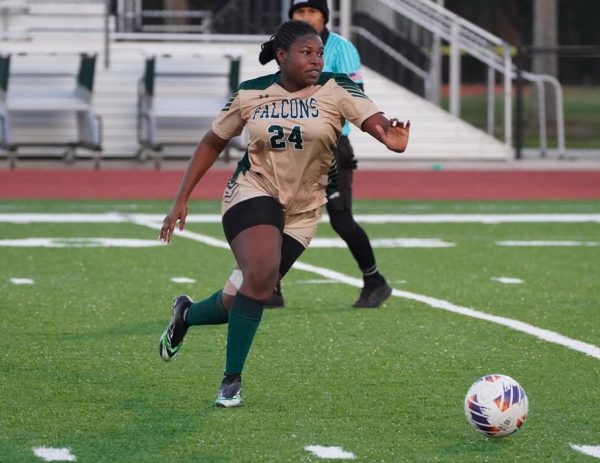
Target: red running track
x=369 y=184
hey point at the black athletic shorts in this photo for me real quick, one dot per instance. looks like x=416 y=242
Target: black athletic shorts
x=260 y=210
x=341 y=198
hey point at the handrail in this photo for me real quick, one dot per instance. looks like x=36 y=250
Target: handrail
x=464 y=36
x=173 y=37
x=397 y=56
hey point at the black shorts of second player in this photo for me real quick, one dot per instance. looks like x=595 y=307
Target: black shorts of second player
x=341 y=198
x=262 y=210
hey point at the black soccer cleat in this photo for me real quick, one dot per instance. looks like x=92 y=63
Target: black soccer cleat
x=276 y=300
x=372 y=297
x=172 y=339
x=230 y=392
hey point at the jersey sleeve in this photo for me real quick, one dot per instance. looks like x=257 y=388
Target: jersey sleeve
x=229 y=122
x=352 y=102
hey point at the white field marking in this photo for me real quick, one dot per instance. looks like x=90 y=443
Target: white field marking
x=182 y=280
x=330 y=453
x=80 y=243
x=21 y=281
x=546 y=335
x=217 y=243
x=108 y=217
x=115 y=217
x=324 y=282
x=385 y=243
x=52 y=454
x=591 y=450
x=508 y=280
x=478 y=218
x=138 y=243
x=547 y=243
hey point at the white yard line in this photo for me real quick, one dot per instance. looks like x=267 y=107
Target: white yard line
x=547 y=243
x=478 y=218
x=508 y=280
x=330 y=453
x=546 y=335
x=591 y=450
x=53 y=454
x=182 y=280
x=79 y=243
x=385 y=243
x=115 y=217
x=21 y=281
x=109 y=217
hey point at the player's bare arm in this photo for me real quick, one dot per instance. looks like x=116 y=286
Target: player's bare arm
x=393 y=133
x=205 y=155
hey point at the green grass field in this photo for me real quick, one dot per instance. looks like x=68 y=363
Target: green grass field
x=80 y=365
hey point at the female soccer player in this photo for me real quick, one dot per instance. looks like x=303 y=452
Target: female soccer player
x=272 y=204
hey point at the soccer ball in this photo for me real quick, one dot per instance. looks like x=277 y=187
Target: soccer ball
x=496 y=405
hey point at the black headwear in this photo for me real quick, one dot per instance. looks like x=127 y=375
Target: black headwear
x=318 y=4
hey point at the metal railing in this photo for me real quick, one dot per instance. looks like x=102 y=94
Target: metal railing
x=463 y=37
x=442 y=25
x=133 y=17
x=230 y=16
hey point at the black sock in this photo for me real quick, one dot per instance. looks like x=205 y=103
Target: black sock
x=232 y=378
x=372 y=277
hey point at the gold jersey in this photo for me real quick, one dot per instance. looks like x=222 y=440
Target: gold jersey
x=291 y=135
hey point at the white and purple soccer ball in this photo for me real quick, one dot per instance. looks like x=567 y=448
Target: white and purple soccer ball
x=496 y=405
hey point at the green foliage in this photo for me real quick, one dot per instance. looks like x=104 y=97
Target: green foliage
x=80 y=365
x=581 y=114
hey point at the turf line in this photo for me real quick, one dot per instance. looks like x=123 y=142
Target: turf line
x=330 y=453
x=546 y=335
x=53 y=454
x=118 y=217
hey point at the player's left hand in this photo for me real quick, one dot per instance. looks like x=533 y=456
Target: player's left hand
x=396 y=135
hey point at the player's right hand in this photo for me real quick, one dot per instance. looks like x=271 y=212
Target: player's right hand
x=178 y=212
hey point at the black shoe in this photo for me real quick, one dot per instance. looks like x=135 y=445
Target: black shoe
x=172 y=339
x=230 y=392
x=372 y=297
x=276 y=300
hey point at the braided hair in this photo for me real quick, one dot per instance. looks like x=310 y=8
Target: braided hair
x=284 y=36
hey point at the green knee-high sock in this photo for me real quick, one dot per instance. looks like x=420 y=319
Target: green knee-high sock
x=209 y=311
x=244 y=318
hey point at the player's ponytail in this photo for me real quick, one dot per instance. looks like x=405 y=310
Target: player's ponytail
x=267 y=51
x=284 y=36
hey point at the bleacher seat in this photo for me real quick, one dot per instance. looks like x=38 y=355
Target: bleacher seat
x=179 y=96
x=45 y=94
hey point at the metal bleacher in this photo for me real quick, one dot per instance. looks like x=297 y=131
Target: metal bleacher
x=180 y=94
x=49 y=92
x=46 y=96
x=162 y=116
